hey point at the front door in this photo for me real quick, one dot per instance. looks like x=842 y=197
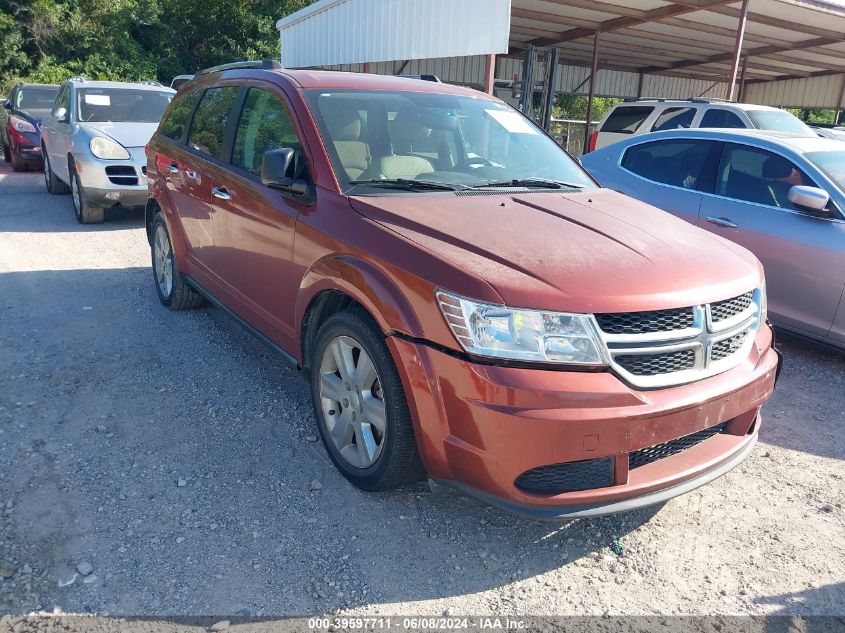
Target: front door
x=803 y=255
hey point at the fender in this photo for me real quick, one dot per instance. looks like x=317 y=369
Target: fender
x=159 y=195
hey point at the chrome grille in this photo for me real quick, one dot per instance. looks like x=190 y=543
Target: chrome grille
x=671 y=347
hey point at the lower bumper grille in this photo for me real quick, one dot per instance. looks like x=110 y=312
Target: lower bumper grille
x=568 y=477
x=673 y=447
x=122 y=175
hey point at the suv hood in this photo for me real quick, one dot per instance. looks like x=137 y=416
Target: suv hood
x=128 y=134
x=33 y=115
x=596 y=251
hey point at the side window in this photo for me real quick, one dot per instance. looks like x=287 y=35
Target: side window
x=62 y=99
x=209 y=125
x=264 y=125
x=626 y=119
x=682 y=163
x=756 y=175
x=176 y=121
x=674 y=118
x=719 y=117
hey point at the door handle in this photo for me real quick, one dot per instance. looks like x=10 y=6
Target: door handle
x=173 y=168
x=722 y=222
x=221 y=192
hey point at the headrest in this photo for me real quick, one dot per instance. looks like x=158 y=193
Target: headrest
x=408 y=127
x=776 y=167
x=342 y=120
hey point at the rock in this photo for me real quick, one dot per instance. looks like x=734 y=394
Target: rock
x=7 y=570
x=827 y=508
x=314 y=485
x=26 y=569
x=220 y=626
x=180 y=539
x=449 y=612
x=84 y=568
x=101 y=428
x=181 y=483
x=311 y=438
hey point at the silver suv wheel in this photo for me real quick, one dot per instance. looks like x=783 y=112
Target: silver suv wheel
x=163 y=261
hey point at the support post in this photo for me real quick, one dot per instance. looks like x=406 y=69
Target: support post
x=740 y=35
x=489 y=73
x=366 y=67
x=592 y=91
x=838 y=111
x=741 y=97
x=640 y=86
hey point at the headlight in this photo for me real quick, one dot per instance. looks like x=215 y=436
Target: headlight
x=107 y=149
x=496 y=331
x=21 y=125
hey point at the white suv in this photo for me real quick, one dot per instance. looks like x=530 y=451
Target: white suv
x=655 y=115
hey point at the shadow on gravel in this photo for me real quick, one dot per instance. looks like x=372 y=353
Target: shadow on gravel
x=63 y=220
x=829 y=600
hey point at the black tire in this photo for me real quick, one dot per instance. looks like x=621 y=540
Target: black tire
x=18 y=164
x=7 y=155
x=180 y=296
x=86 y=213
x=54 y=185
x=399 y=462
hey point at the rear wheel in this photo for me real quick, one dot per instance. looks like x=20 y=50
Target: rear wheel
x=172 y=291
x=86 y=213
x=7 y=156
x=54 y=185
x=360 y=404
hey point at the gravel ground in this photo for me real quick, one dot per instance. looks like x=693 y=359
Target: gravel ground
x=158 y=464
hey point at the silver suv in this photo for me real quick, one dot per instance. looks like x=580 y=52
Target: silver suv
x=93 y=143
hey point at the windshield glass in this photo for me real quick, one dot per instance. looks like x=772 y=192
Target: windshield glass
x=422 y=136
x=832 y=164
x=778 y=121
x=35 y=98
x=116 y=105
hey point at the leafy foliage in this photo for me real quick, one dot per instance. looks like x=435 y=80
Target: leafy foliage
x=50 y=40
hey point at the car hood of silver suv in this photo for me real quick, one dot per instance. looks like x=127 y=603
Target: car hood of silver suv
x=128 y=134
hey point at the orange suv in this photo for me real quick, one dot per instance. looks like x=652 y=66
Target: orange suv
x=466 y=302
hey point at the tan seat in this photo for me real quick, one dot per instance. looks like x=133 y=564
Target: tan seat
x=345 y=127
x=405 y=131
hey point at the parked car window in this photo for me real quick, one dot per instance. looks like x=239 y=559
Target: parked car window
x=265 y=124
x=756 y=175
x=626 y=119
x=63 y=100
x=832 y=164
x=674 y=118
x=175 y=124
x=681 y=163
x=210 y=119
x=28 y=98
x=779 y=121
x=121 y=105
x=719 y=117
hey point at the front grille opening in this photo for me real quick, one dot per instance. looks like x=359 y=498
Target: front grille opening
x=122 y=175
x=568 y=477
x=657 y=364
x=722 y=310
x=646 y=322
x=673 y=447
x=728 y=346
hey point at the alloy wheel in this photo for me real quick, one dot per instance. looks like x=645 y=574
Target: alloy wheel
x=47 y=171
x=77 y=197
x=163 y=261
x=353 y=402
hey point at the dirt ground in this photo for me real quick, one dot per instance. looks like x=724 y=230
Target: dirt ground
x=158 y=464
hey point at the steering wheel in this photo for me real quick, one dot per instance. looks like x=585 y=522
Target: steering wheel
x=475 y=160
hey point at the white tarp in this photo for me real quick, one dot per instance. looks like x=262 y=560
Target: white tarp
x=332 y=32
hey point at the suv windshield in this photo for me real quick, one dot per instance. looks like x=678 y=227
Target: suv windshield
x=35 y=98
x=832 y=164
x=778 y=121
x=452 y=139
x=116 y=105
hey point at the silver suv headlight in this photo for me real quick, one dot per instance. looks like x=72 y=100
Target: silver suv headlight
x=108 y=149
x=496 y=331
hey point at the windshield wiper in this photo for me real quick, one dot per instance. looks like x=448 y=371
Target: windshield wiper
x=406 y=183
x=530 y=182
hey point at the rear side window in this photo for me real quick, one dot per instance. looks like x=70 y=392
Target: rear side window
x=756 y=175
x=176 y=121
x=719 y=117
x=626 y=119
x=264 y=125
x=689 y=164
x=209 y=125
x=674 y=118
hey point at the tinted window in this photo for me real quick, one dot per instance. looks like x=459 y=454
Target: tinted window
x=681 y=163
x=264 y=125
x=832 y=164
x=210 y=119
x=177 y=117
x=719 y=117
x=755 y=175
x=63 y=100
x=674 y=118
x=35 y=98
x=779 y=121
x=626 y=119
x=121 y=105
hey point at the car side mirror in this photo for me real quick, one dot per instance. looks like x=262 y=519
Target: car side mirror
x=7 y=105
x=810 y=199
x=61 y=114
x=276 y=165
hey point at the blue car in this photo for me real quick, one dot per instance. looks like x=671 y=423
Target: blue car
x=781 y=196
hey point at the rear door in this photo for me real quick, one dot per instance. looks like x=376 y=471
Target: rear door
x=721 y=118
x=58 y=131
x=622 y=122
x=254 y=225
x=803 y=255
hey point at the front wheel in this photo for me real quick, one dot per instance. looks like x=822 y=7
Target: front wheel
x=86 y=213
x=172 y=290
x=360 y=404
x=54 y=185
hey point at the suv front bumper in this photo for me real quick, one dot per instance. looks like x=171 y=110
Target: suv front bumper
x=109 y=183
x=481 y=427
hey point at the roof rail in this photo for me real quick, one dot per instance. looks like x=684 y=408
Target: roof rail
x=433 y=78
x=150 y=82
x=79 y=78
x=265 y=64
x=688 y=100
